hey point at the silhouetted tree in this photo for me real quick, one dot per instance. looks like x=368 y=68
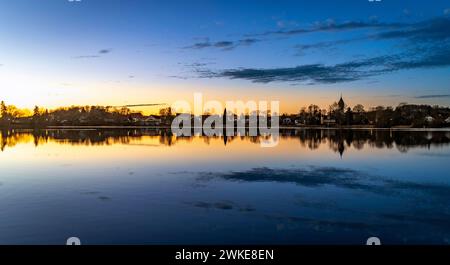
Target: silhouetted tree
x=3 y=109
x=349 y=116
x=358 y=109
x=36 y=112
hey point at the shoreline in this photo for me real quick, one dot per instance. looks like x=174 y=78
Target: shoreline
x=95 y=127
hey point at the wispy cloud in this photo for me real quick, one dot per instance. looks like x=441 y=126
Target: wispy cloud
x=344 y=72
x=223 y=45
x=199 y=45
x=86 y=57
x=301 y=48
x=286 y=23
x=248 y=41
x=430 y=30
x=427 y=46
x=104 y=51
x=93 y=56
x=331 y=25
x=433 y=96
x=427 y=31
x=327 y=26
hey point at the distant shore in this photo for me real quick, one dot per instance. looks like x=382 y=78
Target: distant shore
x=166 y=127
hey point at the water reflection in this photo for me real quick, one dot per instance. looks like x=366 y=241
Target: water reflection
x=337 y=140
x=314 y=177
x=143 y=186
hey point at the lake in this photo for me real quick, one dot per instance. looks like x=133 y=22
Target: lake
x=144 y=186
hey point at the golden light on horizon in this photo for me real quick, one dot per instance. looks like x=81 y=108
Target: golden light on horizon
x=29 y=90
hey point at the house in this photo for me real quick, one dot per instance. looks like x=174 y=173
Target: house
x=299 y=122
x=287 y=121
x=152 y=120
x=135 y=117
x=329 y=121
x=145 y=120
x=429 y=119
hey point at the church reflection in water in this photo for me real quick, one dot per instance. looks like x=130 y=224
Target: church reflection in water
x=337 y=140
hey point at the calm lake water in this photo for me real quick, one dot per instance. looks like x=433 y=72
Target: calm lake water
x=148 y=187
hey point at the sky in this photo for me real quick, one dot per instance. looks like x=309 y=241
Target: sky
x=118 y=52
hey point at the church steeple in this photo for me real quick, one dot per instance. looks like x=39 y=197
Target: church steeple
x=341 y=104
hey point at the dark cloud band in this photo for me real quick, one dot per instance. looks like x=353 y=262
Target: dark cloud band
x=425 y=44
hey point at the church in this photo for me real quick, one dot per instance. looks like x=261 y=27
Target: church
x=341 y=104
x=329 y=120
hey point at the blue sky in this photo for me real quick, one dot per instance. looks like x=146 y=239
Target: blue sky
x=112 y=52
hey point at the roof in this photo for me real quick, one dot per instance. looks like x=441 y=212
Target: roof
x=429 y=118
x=341 y=103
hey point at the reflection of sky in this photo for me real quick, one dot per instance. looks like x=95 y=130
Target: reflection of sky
x=117 y=52
x=239 y=154
x=142 y=191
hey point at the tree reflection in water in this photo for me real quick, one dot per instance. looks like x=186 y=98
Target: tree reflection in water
x=337 y=140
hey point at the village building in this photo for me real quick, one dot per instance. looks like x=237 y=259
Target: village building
x=287 y=121
x=429 y=119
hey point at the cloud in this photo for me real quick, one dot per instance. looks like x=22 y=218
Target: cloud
x=199 y=45
x=433 y=96
x=426 y=46
x=330 y=26
x=223 y=45
x=248 y=41
x=344 y=72
x=104 y=51
x=179 y=77
x=316 y=73
x=393 y=30
x=197 y=64
x=86 y=57
x=430 y=30
x=325 y=44
x=91 y=56
x=286 y=23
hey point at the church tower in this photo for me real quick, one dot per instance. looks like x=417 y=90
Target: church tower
x=341 y=104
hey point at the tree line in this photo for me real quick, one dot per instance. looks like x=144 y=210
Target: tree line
x=337 y=114
x=10 y=115
x=404 y=114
